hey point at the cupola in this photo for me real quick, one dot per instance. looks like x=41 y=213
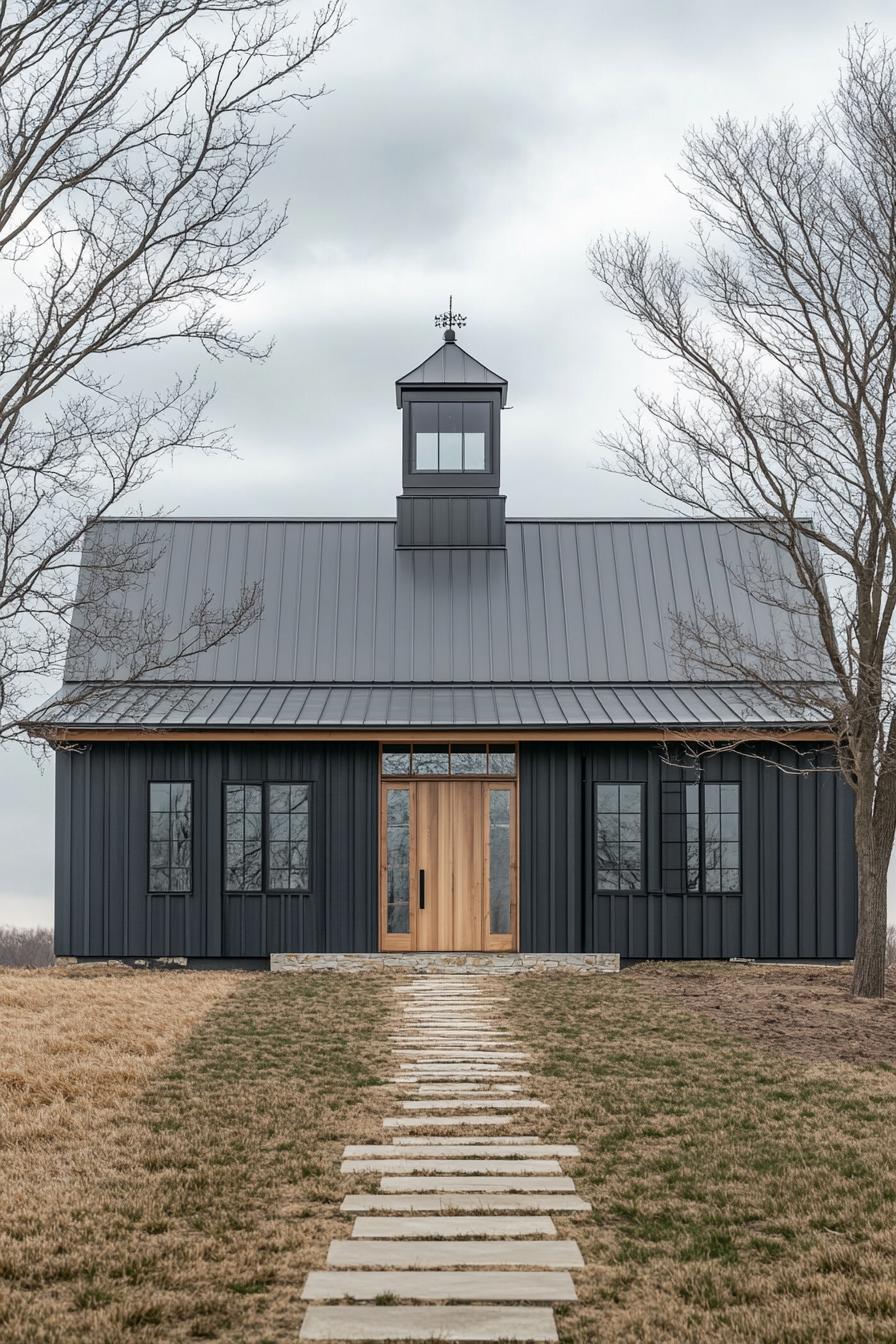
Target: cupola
x=451 y=458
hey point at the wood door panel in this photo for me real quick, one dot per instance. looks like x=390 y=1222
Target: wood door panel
x=449 y=844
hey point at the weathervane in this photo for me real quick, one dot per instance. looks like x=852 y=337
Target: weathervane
x=450 y=320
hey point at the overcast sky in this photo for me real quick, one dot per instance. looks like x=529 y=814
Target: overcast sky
x=476 y=148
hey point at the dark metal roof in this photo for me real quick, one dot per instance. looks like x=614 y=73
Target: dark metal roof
x=451 y=366
x=408 y=706
x=590 y=602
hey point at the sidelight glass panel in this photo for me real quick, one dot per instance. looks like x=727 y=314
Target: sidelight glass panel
x=171 y=837
x=398 y=858
x=499 y=860
x=242 y=831
x=692 y=836
x=288 y=837
x=618 y=837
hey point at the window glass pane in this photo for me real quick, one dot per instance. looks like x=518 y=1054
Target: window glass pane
x=499 y=860
x=618 y=836
x=431 y=761
x=397 y=761
x=242 y=828
x=451 y=417
x=450 y=452
x=426 y=452
x=425 y=417
x=501 y=761
x=288 y=837
x=692 y=832
x=398 y=821
x=170 y=837
x=721 y=837
x=474 y=452
x=464 y=762
x=476 y=417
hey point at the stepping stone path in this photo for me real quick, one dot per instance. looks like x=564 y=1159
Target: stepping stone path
x=461 y=1221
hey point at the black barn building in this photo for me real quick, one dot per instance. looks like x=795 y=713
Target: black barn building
x=445 y=731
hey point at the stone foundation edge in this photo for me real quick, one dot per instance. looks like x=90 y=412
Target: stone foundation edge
x=453 y=963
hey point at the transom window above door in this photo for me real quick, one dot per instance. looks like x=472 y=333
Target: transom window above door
x=450 y=435
x=466 y=760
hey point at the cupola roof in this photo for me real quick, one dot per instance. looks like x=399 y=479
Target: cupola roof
x=450 y=367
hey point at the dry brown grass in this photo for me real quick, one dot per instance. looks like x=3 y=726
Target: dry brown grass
x=170 y=1149
x=741 y=1191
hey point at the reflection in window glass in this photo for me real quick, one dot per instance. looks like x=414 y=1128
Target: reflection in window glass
x=397 y=761
x=618 y=837
x=451 y=452
x=499 y=860
x=288 y=840
x=171 y=837
x=431 y=761
x=721 y=837
x=692 y=836
x=501 y=761
x=450 y=435
x=427 y=456
x=398 y=828
x=242 y=837
x=474 y=452
x=464 y=762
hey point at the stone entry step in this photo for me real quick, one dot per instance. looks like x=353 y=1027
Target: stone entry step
x=534 y=1324
x=402 y=1140
x=487 y=1225
x=406 y=1254
x=444 y=1285
x=477 y=1103
x=466 y=1201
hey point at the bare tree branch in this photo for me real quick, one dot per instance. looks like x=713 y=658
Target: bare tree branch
x=782 y=334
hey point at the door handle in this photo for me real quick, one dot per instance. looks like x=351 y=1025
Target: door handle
x=421 y=887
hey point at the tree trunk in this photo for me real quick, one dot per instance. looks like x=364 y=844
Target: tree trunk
x=874 y=843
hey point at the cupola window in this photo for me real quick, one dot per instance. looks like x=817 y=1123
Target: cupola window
x=450 y=436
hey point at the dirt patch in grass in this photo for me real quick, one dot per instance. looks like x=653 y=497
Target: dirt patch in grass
x=739 y=1194
x=178 y=1193
x=805 y=1011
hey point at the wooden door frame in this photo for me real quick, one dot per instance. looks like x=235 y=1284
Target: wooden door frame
x=407 y=942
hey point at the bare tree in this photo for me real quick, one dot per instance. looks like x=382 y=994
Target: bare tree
x=132 y=137
x=781 y=331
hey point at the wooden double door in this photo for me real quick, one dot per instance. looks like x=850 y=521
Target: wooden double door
x=448 y=866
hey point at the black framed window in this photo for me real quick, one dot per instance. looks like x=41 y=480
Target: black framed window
x=267 y=837
x=171 y=837
x=450 y=435
x=288 y=811
x=619 y=837
x=712 y=837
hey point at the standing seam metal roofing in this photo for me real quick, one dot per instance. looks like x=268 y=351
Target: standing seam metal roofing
x=567 y=602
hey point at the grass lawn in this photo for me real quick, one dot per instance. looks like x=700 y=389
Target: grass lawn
x=741 y=1190
x=169 y=1148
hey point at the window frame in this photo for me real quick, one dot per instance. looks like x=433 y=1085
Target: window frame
x=265 y=785
x=640 y=890
x=167 y=891
x=702 y=889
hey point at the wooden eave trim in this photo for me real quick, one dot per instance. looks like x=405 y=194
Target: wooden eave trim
x=410 y=734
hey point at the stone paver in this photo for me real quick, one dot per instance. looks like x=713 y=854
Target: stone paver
x=425 y=1323
x=407 y=1254
x=459 y=1217
x=460 y=1201
x=422 y=1285
x=486 y=1225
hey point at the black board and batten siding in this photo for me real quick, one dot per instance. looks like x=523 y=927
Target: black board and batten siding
x=797 y=898
x=798 y=876
x=103 y=908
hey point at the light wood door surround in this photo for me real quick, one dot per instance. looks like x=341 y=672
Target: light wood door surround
x=448 y=867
